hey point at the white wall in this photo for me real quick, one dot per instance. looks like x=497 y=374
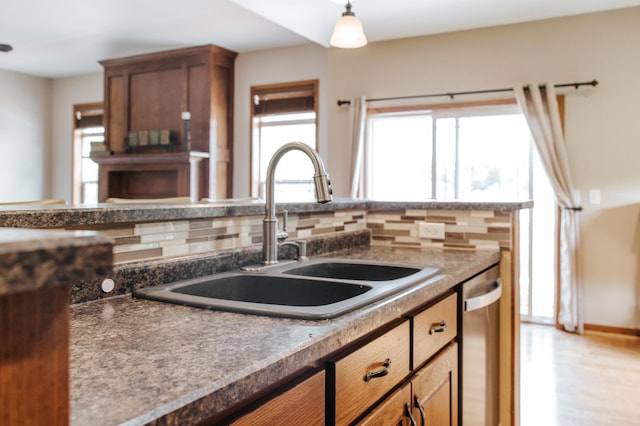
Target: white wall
x=25 y=128
x=66 y=93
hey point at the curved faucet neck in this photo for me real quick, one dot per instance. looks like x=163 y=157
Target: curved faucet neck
x=270 y=222
x=318 y=166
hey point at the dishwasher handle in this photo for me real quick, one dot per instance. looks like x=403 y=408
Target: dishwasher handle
x=485 y=299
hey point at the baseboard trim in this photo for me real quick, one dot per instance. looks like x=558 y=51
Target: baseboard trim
x=614 y=330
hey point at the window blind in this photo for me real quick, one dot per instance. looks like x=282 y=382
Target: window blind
x=88 y=115
x=291 y=98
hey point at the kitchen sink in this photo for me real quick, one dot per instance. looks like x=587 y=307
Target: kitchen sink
x=274 y=290
x=317 y=289
x=353 y=270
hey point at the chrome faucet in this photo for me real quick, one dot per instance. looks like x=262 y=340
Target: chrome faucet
x=270 y=222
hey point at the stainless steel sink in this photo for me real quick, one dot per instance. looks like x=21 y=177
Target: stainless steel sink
x=317 y=289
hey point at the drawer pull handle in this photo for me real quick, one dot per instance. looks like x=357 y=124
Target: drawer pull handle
x=438 y=328
x=420 y=408
x=407 y=408
x=380 y=373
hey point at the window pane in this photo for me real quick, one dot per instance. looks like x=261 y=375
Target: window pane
x=400 y=158
x=89 y=170
x=273 y=137
x=493 y=158
x=90 y=193
x=86 y=147
x=446 y=154
x=294 y=174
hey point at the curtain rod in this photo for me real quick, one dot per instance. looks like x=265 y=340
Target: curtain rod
x=593 y=83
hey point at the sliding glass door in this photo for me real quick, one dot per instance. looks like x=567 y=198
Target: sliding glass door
x=479 y=153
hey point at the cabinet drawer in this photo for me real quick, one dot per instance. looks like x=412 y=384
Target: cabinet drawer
x=433 y=328
x=357 y=386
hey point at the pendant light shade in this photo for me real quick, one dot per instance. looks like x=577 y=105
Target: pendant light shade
x=348 y=32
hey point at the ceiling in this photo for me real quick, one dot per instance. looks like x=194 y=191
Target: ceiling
x=67 y=37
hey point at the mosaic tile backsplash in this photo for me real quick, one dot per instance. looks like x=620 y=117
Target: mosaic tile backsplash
x=161 y=240
x=473 y=229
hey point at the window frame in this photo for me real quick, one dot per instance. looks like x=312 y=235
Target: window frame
x=92 y=110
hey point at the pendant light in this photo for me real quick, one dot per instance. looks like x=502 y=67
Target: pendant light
x=348 y=32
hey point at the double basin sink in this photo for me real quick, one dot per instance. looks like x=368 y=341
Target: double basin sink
x=316 y=289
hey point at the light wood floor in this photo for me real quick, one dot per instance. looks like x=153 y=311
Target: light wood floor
x=589 y=380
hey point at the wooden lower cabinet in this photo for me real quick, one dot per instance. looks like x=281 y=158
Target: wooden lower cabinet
x=363 y=376
x=406 y=373
x=393 y=411
x=430 y=398
x=301 y=405
x=435 y=390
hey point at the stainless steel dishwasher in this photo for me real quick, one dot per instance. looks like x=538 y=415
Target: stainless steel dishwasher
x=480 y=348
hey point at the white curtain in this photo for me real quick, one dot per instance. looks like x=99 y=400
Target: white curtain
x=540 y=107
x=358 y=122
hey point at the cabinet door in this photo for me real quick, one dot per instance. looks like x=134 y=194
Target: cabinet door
x=435 y=390
x=301 y=405
x=394 y=411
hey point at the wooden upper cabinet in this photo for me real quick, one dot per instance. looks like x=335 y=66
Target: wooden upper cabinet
x=151 y=91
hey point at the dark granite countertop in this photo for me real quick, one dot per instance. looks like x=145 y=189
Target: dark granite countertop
x=137 y=361
x=31 y=259
x=68 y=216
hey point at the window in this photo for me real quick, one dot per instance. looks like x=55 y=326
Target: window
x=284 y=113
x=88 y=136
x=468 y=153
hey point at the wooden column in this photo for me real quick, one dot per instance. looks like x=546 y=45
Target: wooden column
x=36 y=269
x=34 y=357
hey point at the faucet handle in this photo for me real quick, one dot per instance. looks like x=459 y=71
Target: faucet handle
x=303 y=251
x=283 y=235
